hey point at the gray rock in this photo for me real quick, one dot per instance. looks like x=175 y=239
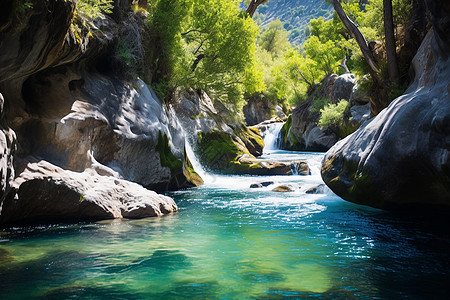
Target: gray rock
x=256 y=185
x=360 y=114
x=359 y=97
x=343 y=87
x=280 y=113
x=327 y=84
x=45 y=192
x=257 y=110
x=308 y=137
x=261 y=184
x=7 y=151
x=401 y=158
x=318 y=189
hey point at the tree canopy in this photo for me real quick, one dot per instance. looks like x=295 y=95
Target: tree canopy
x=208 y=45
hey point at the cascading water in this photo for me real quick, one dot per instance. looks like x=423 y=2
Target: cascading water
x=207 y=177
x=272 y=136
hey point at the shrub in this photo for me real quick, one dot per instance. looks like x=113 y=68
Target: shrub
x=332 y=114
x=319 y=104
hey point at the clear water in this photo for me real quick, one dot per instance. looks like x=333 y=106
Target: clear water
x=229 y=241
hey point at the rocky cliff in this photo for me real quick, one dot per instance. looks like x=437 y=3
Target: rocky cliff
x=78 y=139
x=401 y=158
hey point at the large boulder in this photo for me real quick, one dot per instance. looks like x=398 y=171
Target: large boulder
x=45 y=192
x=121 y=124
x=401 y=158
x=343 y=87
x=7 y=151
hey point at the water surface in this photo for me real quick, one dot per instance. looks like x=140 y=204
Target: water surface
x=229 y=241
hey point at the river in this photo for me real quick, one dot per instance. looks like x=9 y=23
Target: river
x=230 y=241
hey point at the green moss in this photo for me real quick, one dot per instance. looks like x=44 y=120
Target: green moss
x=252 y=139
x=218 y=147
x=166 y=156
x=285 y=129
x=189 y=172
x=220 y=152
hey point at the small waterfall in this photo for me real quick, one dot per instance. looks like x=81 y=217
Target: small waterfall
x=205 y=175
x=272 y=136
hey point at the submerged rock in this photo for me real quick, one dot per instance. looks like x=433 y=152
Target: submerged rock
x=401 y=158
x=45 y=192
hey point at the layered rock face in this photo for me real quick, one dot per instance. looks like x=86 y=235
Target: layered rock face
x=401 y=158
x=77 y=141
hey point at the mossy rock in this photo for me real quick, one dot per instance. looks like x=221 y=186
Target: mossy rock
x=225 y=153
x=189 y=172
x=220 y=151
x=182 y=174
x=252 y=139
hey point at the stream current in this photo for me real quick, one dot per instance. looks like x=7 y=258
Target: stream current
x=230 y=241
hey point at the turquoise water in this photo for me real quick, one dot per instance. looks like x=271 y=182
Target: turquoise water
x=229 y=241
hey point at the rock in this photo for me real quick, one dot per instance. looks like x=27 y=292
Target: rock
x=359 y=97
x=272 y=167
x=284 y=188
x=7 y=151
x=122 y=125
x=359 y=114
x=257 y=110
x=256 y=185
x=326 y=86
x=217 y=143
x=261 y=184
x=401 y=158
x=45 y=192
x=301 y=133
x=280 y=113
x=318 y=189
x=224 y=153
x=68 y=110
x=197 y=113
x=343 y=87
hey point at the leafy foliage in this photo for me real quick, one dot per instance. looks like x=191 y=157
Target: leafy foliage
x=208 y=45
x=94 y=8
x=332 y=114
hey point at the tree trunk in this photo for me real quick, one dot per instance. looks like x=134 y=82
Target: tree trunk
x=253 y=6
x=391 y=53
x=358 y=36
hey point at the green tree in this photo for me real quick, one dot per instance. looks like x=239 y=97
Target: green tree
x=208 y=45
x=274 y=39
